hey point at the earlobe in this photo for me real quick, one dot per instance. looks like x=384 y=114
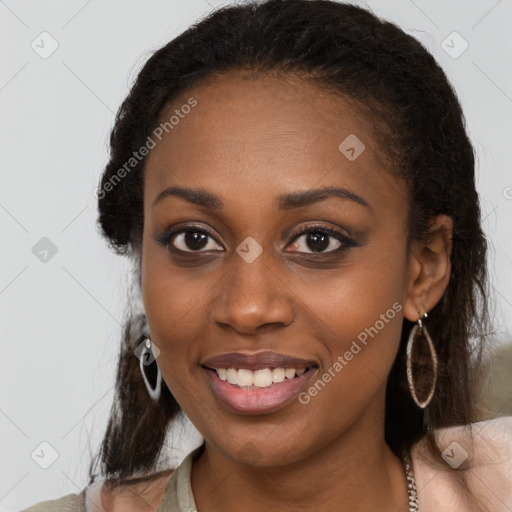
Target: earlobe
x=429 y=268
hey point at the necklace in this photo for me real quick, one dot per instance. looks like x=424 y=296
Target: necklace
x=411 y=485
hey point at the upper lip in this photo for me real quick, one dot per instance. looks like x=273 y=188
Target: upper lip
x=257 y=361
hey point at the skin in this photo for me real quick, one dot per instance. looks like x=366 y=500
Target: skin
x=249 y=140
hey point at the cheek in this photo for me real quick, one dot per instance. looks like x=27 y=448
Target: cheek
x=353 y=378
x=173 y=300
x=174 y=307
x=358 y=311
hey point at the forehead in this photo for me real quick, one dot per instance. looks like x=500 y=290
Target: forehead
x=249 y=136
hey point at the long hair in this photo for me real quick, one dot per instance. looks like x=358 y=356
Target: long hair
x=418 y=123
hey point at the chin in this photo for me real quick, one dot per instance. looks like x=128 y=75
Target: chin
x=260 y=453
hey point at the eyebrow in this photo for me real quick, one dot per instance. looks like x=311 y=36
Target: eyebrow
x=288 y=201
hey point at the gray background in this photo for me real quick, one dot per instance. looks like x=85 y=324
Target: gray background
x=61 y=318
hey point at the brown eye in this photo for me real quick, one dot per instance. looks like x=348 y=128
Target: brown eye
x=193 y=241
x=320 y=239
x=316 y=242
x=189 y=239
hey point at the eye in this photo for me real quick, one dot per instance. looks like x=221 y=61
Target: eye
x=189 y=239
x=321 y=239
x=308 y=240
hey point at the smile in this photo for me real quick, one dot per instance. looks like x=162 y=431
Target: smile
x=249 y=379
x=259 y=383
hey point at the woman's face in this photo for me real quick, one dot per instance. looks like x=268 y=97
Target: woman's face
x=247 y=164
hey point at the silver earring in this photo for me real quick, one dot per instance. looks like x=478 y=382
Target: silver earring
x=418 y=332
x=147 y=358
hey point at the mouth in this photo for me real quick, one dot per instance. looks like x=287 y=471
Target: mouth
x=258 y=383
x=245 y=378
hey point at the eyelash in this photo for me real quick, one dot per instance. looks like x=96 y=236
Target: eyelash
x=165 y=239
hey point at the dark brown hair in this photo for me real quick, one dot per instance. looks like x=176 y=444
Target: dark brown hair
x=421 y=130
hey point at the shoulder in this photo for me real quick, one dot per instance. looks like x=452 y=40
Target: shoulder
x=69 y=503
x=140 y=494
x=136 y=494
x=475 y=467
x=481 y=446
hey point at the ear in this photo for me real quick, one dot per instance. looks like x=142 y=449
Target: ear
x=429 y=268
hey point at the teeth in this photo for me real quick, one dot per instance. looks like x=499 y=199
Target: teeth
x=258 y=378
x=245 y=378
x=262 y=378
x=289 y=373
x=232 y=376
x=278 y=374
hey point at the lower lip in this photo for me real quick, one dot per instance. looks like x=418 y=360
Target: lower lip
x=257 y=401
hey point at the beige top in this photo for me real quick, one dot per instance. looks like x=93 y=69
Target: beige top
x=482 y=454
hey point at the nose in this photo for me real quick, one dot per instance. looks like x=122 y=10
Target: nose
x=253 y=297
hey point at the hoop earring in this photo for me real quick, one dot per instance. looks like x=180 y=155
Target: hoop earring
x=420 y=331
x=147 y=358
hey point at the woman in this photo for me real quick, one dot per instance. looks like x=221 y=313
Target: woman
x=295 y=186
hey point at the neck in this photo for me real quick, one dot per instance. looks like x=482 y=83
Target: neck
x=357 y=471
